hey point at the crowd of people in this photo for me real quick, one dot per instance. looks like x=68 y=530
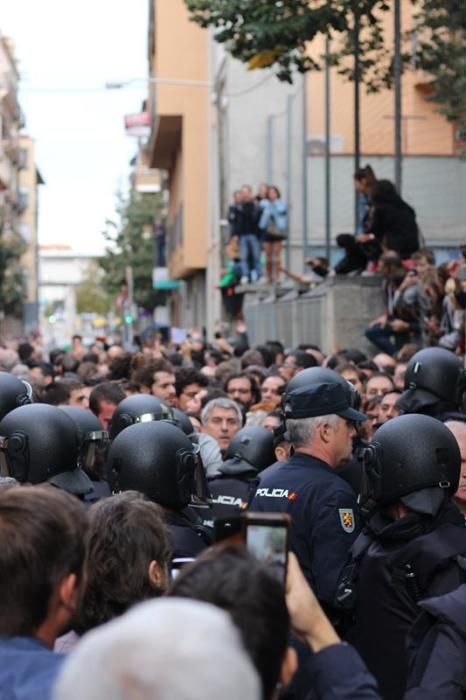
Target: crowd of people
x=125 y=478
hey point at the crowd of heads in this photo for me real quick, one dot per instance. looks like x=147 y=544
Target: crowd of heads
x=118 y=447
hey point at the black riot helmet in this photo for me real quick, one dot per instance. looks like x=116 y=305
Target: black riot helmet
x=181 y=420
x=138 y=408
x=157 y=459
x=413 y=458
x=323 y=375
x=434 y=382
x=40 y=443
x=13 y=393
x=251 y=449
x=93 y=441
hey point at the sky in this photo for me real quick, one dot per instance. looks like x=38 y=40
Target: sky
x=66 y=52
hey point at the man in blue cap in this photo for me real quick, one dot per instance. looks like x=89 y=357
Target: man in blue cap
x=325 y=523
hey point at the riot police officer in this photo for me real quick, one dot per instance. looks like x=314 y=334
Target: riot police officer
x=250 y=451
x=320 y=423
x=39 y=443
x=159 y=460
x=435 y=382
x=413 y=541
x=138 y=408
x=13 y=393
x=93 y=446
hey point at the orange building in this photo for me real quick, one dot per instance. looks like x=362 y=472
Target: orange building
x=178 y=59
x=216 y=126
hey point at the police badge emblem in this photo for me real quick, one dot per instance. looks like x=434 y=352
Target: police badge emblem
x=347 y=519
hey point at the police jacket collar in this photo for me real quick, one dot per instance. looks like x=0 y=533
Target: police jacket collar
x=309 y=461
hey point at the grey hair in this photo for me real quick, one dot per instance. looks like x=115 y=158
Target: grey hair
x=166 y=649
x=302 y=430
x=221 y=402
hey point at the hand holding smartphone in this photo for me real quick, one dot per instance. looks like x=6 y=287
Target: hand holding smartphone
x=266 y=536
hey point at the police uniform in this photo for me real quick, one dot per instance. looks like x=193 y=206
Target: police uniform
x=188 y=537
x=250 y=452
x=402 y=562
x=231 y=495
x=322 y=505
x=324 y=512
x=413 y=543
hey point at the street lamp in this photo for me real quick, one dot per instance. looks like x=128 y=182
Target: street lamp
x=117 y=85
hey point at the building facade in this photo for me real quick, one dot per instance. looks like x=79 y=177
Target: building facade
x=29 y=181
x=19 y=180
x=61 y=270
x=217 y=126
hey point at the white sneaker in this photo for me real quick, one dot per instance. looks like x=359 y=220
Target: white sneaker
x=244 y=279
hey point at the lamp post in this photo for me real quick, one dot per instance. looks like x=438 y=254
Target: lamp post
x=118 y=85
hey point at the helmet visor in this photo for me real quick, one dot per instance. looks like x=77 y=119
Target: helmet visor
x=94 y=448
x=200 y=497
x=5 y=469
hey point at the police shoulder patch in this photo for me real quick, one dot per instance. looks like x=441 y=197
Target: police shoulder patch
x=347 y=519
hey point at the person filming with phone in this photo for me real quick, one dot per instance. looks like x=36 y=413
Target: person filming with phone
x=325 y=522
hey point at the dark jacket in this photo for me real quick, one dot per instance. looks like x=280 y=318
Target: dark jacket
x=393 y=223
x=437 y=649
x=28 y=669
x=400 y=563
x=244 y=219
x=325 y=517
x=189 y=537
x=231 y=494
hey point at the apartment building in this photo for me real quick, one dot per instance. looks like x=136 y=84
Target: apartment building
x=28 y=210
x=10 y=123
x=179 y=142
x=216 y=126
x=19 y=180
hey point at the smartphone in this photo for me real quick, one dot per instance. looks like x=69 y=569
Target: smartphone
x=266 y=536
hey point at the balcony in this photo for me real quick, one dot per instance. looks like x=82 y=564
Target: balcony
x=165 y=141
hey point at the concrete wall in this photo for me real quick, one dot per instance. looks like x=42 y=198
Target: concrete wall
x=333 y=316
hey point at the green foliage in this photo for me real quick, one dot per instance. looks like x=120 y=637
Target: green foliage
x=12 y=247
x=91 y=296
x=131 y=244
x=439 y=38
x=275 y=33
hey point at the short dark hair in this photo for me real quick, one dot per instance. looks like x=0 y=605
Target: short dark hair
x=42 y=533
x=120 y=366
x=214 y=392
x=55 y=393
x=235 y=581
x=303 y=359
x=107 y=391
x=144 y=374
x=126 y=532
x=25 y=351
x=186 y=376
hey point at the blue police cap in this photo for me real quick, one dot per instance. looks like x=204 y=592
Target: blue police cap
x=321 y=400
